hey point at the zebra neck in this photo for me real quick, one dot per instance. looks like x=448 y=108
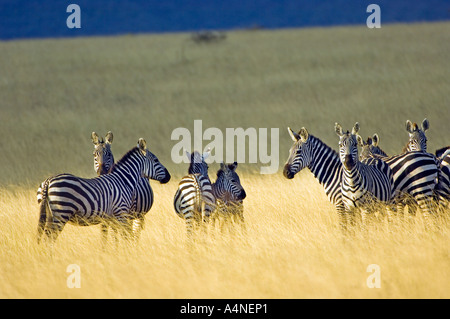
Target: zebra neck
x=129 y=168
x=325 y=163
x=352 y=177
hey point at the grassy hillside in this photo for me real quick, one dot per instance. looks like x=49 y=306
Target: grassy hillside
x=54 y=93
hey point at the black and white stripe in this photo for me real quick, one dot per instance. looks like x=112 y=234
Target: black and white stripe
x=229 y=195
x=310 y=152
x=103 y=157
x=417 y=138
x=194 y=199
x=104 y=199
x=143 y=197
x=415 y=175
x=443 y=188
x=364 y=184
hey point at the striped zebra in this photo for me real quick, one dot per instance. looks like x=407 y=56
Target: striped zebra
x=104 y=199
x=194 y=200
x=417 y=138
x=415 y=176
x=103 y=157
x=324 y=163
x=143 y=197
x=370 y=147
x=229 y=195
x=364 y=184
x=443 y=188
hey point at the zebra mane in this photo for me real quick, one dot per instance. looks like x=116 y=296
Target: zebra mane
x=124 y=158
x=440 y=152
x=324 y=144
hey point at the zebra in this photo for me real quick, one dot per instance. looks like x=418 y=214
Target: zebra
x=364 y=185
x=142 y=198
x=103 y=199
x=417 y=139
x=103 y=157
x=323 y=162
x=229 y=195
x=415 y=176
x=443 y=187
x=370 y=147
x=194 y=200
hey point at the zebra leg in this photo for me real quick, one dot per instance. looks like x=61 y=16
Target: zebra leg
x=242 y=221
x=390 y=211
x=425 y=204
x=138 y=226
x=104 y=232
x=365 y=221
x=42 y=220
x=342 y=217
x=54 y=227
x=189 y=225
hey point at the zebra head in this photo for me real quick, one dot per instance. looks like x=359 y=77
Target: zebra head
x=299 y=154
x=348 y=145
x=103 y=157
x=198 y=164
x=417 y=139
x=228 y=186
x=370 y=147
x=153 y=169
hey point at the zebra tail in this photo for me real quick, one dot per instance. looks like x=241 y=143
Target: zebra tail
x=443 y=156
x=43 y=209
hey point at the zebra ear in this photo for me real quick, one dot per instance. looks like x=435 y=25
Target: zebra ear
x=375 y=139
x=355 y=129
x=233 y=166
x=303 y=134
x=338 y=129
x=206 y=154
x=295 y=137
x=109 y=137
x=94 y=137
x=425 y=125
x=409 y=126
x=222 y=166
x=360 y=140
x=142 y=145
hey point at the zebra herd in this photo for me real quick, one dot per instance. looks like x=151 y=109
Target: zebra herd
x=366 y=181
x=121 y=195
x=374 y=181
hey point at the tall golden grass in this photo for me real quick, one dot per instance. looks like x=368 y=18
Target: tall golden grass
x=55 y=92
x=293 y=248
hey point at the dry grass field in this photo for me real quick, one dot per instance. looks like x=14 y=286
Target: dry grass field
x=54 y=93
